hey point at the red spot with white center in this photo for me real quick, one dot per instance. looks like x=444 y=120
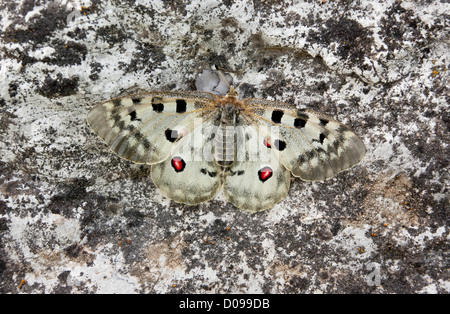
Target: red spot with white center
x=265 y=173
x=178 y=164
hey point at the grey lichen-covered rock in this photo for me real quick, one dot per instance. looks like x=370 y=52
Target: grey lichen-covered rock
x=75 y=218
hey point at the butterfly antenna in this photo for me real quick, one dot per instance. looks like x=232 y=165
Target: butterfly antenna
x=246 y=80
x=231 y=88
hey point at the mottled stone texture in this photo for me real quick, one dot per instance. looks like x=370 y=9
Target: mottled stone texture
x=75 y=218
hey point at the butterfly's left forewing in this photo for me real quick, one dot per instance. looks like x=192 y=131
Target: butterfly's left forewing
x=144 y=127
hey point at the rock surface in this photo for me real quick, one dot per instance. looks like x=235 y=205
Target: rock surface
x=75 y=218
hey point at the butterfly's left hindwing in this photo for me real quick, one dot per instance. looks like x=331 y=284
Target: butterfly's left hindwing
x=190 y=175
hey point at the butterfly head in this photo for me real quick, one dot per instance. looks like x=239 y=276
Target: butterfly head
x=233 y=92
x=230 y=100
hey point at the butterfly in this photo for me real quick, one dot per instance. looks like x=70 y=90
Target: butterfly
x=198 y=142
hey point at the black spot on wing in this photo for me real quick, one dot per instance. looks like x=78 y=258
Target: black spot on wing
x=233 y=173
x=121 y=125
x=322 y=137
x=323 y=122
x=212 y=174
x=306 y=157
x=136 y=100
x=115 y=111
x=181 y=105
x=117 y=102
x=277 y=115
x=301 y=119
x=116 y=118
x=133 y=116
x=280 y=145
x=138 y=136
x=158 y=107
x=302 y=114
x=299 y=123
x=171 y=135
x=337 y=143
x=146 y=143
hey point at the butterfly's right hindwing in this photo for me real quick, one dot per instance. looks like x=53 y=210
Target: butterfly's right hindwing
x=143 y=128
x=257 y=180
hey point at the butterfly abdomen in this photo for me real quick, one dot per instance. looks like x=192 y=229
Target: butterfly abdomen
x=225 y=146
x=225 y=138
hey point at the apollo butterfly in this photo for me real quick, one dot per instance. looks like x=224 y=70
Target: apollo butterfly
x=198 y=142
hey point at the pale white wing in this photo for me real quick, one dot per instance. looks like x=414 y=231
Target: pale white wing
x=257 y=180
x=190 y=175
x=312 y=146
x=144 y=127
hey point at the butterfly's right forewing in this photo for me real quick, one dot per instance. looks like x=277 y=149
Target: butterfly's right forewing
x=311 y=145
x=143 y=128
